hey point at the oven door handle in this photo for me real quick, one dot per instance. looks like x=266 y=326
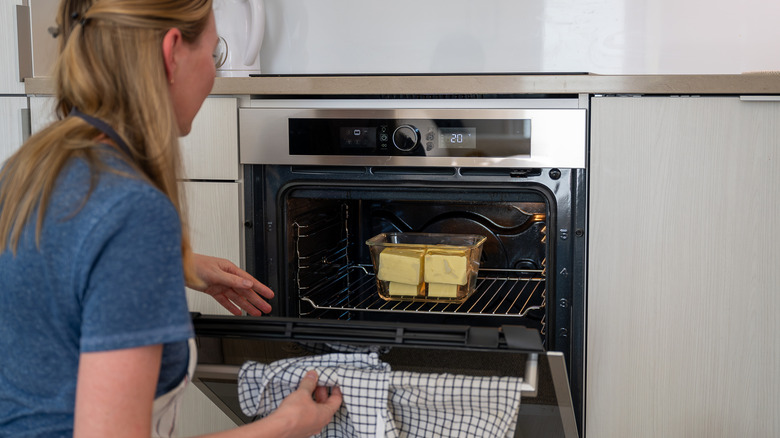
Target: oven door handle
x=529 y=388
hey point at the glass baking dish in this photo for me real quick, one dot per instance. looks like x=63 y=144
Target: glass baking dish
x=432 y=267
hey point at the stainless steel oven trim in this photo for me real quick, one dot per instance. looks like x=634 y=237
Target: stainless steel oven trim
x=558 y=139
x=563 y=392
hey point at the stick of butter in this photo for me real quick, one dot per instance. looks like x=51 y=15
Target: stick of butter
x=441 y=290
x=401 y=265
x=449 y=267
x=396 y=289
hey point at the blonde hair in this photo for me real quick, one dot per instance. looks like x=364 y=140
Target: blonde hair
x=110 y=67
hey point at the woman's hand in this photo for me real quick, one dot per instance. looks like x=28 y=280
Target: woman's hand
x=307 y=410
x=232 y=287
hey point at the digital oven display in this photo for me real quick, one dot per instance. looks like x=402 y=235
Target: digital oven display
x=458 y=138
x=358 y=137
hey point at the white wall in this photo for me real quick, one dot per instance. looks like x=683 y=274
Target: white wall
x=445 y=36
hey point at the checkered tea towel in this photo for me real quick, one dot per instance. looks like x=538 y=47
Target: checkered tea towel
x=362 y=378
x=381 y=403
x=448 y=405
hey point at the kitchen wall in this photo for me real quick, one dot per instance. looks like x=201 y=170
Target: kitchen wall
x=600 y=36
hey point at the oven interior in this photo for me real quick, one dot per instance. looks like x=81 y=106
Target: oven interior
x=330 y=275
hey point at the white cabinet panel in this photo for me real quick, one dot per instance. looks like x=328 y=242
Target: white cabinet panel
x=41 y=112
x=213 y=209
x=9 y=51
x=210 y=151
x=12 y=119
x=683 y=268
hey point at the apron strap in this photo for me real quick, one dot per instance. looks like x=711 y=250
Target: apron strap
x=103 y=127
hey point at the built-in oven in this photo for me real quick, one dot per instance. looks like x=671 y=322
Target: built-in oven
x=322 y=176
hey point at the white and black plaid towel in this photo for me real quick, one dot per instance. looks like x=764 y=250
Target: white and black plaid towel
x=362 y=378
x=449 y=405
x=380 y=403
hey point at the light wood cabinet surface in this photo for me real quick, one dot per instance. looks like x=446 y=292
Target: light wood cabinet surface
x=215 y=229
x=12 y=120
x=210 y=150
x=213 y=196
x=683 y=287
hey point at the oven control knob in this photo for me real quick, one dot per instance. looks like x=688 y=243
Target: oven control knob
x=405 y=137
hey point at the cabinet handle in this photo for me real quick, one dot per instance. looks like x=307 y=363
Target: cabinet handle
x=24 y=41
x=26 y=125
x=759 y=98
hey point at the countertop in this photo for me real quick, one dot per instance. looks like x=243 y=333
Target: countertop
x=758 y=83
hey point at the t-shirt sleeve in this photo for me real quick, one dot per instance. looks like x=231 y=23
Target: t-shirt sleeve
x=134 y=279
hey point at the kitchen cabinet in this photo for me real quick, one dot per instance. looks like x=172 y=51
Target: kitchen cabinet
x=213 y=193
x=683 y=268
x=13 y=119
x=13 y=103
x=215 y=229
x=9 y=51
x=212 y=189
x=210 y=151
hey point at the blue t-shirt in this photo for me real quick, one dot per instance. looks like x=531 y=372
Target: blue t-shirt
x=108 y=276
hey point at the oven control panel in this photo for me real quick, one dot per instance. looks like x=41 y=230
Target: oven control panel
x=366 y=133
x=412 y=137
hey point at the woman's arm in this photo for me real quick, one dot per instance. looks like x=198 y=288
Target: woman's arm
x=115 y=392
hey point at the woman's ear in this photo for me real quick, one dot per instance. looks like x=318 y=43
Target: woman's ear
x=171 y=45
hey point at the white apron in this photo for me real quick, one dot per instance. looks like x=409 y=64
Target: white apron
x=166 y=406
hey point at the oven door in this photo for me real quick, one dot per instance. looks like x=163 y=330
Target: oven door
x=225 y=343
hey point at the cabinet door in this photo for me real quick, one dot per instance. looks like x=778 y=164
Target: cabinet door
x=683 y=268
x=9 y=50
x=13 y=121
x=213 y=210
x=210 y=151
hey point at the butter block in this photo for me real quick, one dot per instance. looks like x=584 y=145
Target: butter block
x=401 y=265
x=441 y=290
x=402 y=289
x=448 y=267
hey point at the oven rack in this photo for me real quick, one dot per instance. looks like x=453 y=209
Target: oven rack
x=499 y=292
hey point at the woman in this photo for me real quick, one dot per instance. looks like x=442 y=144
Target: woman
x=94 y=253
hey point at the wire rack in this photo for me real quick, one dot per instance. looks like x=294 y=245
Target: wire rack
x=498 y=292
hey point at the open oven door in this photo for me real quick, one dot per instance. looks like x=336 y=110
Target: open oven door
x=546 y=409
